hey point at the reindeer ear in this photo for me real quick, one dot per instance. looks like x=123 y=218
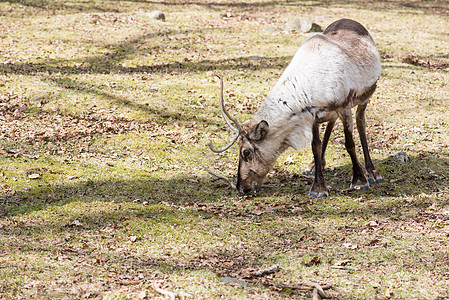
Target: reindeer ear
x=259 y=132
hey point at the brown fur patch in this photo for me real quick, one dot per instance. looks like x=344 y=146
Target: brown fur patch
x=366 y=95
x=346 y=25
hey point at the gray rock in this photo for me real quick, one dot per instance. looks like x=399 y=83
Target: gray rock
x=400 y=157
x=302 y=25
x=157 y=15
x=234 y=281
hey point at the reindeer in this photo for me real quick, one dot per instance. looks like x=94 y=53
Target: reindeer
x=330 y=74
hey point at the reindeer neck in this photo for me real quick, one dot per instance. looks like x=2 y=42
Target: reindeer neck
x=287 y=110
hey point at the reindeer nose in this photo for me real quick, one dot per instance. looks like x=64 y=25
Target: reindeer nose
x=249 y=191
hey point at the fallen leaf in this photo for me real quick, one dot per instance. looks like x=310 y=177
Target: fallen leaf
x=34 y=176
x=373 y=242
x=248 y=273
x=313 y=262
x=142 y=295
x=76 y=223
x=372 y=224
x=350 y=246
x=342 y=262
x=388 y=293
x=289 y=160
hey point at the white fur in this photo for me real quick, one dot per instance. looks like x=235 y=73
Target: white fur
x=321 y=74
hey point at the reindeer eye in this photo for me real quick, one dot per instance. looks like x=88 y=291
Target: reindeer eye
x=246 y=154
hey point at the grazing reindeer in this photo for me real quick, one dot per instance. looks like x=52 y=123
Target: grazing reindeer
x=329 y=75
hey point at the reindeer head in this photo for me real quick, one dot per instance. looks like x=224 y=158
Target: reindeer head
x=254 y=159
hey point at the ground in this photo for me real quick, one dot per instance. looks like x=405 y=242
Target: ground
x=105 y=117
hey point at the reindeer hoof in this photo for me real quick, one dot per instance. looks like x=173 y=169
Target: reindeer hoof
x=363 y=187
x=309 y=172
x=318 y=194
x=373 y=178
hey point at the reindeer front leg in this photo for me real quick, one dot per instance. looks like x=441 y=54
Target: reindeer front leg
x=311 y=168
x=319 y=188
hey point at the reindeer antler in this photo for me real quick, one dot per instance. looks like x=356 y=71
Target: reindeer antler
x=238 y=130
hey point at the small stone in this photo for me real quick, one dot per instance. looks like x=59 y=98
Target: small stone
x=302 y=25
x=157 y=15
x=400 y=157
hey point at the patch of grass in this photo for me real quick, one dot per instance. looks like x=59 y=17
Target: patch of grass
x=113 y=110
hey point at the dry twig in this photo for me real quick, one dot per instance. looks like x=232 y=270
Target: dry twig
x=266 y=271
x=317 y=289
x=158 y=289
x=342 y=191
x=345 y=268
x=10 y=201
x=315 y=295
x=219 y=176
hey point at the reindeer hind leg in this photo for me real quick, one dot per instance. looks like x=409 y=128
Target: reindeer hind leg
x=358 y=173
x=363 y=100
x=373 y=174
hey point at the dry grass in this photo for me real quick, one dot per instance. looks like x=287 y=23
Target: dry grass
x=112 y=111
